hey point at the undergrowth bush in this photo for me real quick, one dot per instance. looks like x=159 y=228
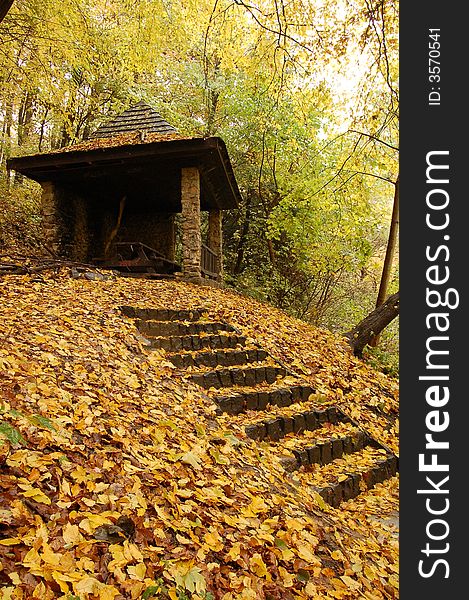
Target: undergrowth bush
x=20 y=218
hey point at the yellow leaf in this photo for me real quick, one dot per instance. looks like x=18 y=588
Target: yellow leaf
x=133 y=382
x=66 y=487
x=173 y=594
x=191 y=459
x=256 y=506
x=108 y=592
x=49 y=557
x=357 y=567
x=258 y=566
x=194 y=581
x=213 y=540
x=87 y=585
x=294 y=524
x=310 y=589
x=10 y=541
x=305 y=553
x=339 y=584
x=234 y=552
x=91 y=522
x=287 y=578
x=71 y=534
x=132 y=552
x=369 y=573
x=137 y=571
x=350 y=583
x=61 y=579
x=37 y=495
x=32 y=560
x=287 y=554
x=40 y=591
x=15 y=578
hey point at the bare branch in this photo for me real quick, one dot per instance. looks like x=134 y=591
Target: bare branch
x=373 y=137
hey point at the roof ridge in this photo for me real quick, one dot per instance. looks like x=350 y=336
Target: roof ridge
x=137 y=118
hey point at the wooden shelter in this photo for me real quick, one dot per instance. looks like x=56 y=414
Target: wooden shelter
x=126 y=184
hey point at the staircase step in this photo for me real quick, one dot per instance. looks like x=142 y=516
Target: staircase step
x=343 y=489
x=176 y=343
x=153 y=328
x=228 y=358
x=280 y=426
x=260 y=400
x=250 y=376
x=159 y=314
x=325 y=452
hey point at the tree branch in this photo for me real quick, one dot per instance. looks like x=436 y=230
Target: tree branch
x=372 y=137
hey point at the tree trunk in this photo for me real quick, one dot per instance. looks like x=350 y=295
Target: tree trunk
x=389 y=257
x=7 y=147
x=238 y=267
x=373 y=324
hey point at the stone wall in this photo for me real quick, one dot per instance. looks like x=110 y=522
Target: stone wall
x=191 y=234
x=51 y=222
x=65 y=222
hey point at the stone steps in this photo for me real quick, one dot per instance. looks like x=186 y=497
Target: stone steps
x=175 y=343
x=227 y=358
x=260 y=400
x=325 y=452
x=153 y=328
x=280 y=426
x=347 y=477
x=322 y=446
x=247 y=376
x=157 y=314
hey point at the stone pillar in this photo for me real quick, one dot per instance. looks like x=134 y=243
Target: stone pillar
x=51 y=220
x=215 y=238
x=191 y=235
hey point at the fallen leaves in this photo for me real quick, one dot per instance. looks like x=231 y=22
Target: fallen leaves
x=119 y=480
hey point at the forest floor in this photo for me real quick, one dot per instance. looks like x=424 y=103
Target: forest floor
x=97 y=430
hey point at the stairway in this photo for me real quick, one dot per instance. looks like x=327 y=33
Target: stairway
x=333 y=453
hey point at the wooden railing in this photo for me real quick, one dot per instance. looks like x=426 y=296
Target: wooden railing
x=209 y=263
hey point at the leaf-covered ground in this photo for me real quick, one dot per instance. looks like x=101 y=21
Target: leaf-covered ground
x=119 y=480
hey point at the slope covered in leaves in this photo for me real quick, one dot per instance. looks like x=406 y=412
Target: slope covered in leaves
x=119 y=480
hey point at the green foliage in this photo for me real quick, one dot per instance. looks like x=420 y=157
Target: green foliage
x=385 y=357
x=11 y=434
x=158 y=590
x=41 y=421
x=19 y=217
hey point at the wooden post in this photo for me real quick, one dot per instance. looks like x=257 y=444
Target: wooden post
x=191 y=235
x=215 y=238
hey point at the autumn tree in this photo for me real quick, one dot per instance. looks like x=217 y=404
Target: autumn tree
x=373 y=324
x=300 y=92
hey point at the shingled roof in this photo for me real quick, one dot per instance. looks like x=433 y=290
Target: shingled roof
x=140 y=117
x=137 y=153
